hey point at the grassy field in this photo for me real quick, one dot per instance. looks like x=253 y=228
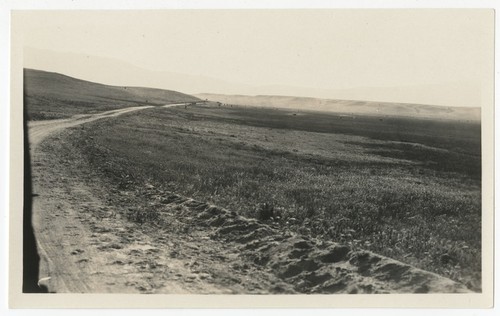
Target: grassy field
x=405 y=188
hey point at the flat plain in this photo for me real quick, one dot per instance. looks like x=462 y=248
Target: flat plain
x=404 y=188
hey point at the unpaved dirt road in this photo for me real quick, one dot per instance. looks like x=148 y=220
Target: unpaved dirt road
x=87 y=245
x=72 y=256
x=38 y=130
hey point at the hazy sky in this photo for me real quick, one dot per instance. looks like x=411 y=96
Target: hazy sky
x=323 y=49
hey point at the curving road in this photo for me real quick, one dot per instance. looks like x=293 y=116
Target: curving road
x=57 y=219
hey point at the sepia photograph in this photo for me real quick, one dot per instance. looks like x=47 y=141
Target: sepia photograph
x=310 y=155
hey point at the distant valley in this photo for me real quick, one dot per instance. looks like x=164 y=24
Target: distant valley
x=351 y=107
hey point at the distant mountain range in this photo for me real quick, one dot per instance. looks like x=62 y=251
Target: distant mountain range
x=350 y=107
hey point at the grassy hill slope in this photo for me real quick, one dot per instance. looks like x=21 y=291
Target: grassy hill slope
x=351 y=107
x=51 y=95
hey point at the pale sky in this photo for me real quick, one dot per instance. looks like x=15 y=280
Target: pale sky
x=320 y=49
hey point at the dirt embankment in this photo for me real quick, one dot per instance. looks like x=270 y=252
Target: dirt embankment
x=95 y=237
x=301 y=264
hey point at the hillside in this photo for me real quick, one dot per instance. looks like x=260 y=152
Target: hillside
x=53 y=95
x=351 y=107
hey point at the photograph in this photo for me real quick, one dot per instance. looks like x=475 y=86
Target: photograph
x=263 y=156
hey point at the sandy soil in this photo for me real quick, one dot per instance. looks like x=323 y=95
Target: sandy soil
x=88 y=246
